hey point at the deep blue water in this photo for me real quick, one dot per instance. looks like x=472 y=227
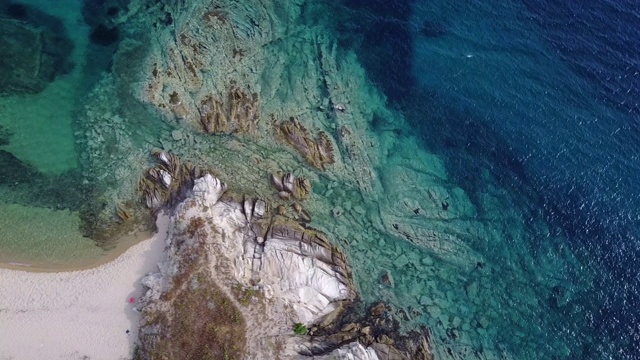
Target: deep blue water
x=545 y=94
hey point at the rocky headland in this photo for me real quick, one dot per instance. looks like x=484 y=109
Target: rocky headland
x=240 y=281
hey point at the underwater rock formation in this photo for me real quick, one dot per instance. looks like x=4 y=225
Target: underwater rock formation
x=289 y=185
x=35 y=49
x=5 y=136
x=104 y=17
x=317 y=152
x=236 y=280
x=238 y=115
x=104 y=36
x=19 y=173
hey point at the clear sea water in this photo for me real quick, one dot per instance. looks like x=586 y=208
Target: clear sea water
x=40 y=195
x=544 y=95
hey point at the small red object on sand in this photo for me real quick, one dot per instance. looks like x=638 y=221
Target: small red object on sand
x=131 y=300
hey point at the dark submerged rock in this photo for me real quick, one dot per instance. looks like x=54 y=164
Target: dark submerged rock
x=5 y=135
x=35 y=47
x=18 y=172
x=102 y=35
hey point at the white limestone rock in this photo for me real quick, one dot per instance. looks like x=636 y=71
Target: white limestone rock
x=166 y=178
x=208 y=189
x=295 y=273
x=154 y=283
x=351 y=351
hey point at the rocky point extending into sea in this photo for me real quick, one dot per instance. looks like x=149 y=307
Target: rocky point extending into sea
x=241 y=280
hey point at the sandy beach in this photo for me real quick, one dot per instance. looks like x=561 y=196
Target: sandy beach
x=87 y=314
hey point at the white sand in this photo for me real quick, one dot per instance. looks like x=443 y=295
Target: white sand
x=80 y=314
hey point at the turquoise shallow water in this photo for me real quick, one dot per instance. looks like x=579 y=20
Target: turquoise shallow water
x=40 y=197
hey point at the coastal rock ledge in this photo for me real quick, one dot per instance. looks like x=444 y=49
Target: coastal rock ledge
x=241 y=282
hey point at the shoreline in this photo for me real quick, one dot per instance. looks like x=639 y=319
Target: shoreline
x=122 y=246
x=80 y=313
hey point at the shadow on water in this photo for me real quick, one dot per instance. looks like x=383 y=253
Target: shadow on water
x=36 y=48
x=378 y=30
x=23 y=184
x=4 y=136
x=469 y=148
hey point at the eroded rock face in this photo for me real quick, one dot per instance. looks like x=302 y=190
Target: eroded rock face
x=303 y=269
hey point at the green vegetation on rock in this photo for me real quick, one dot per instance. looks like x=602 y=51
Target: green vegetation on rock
x=300 y=329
